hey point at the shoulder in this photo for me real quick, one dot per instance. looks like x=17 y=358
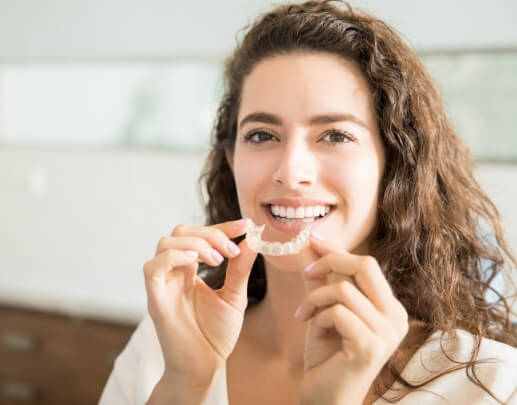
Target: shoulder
x=496 y=369
x=137 y=368
x=144 y=347
x=460 y=346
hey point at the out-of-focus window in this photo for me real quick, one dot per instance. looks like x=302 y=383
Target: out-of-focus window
x=173 y=104
x=161 y=105
x=480 y=93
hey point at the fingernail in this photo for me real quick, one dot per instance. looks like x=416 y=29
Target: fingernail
x=217 y=256
x=309 y=267
x=316 y=236
x=243 y=222
x=232 y=247
x=298 y=312
x=191 y=253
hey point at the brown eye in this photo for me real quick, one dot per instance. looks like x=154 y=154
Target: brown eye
x=256 y=138
x=338 y=136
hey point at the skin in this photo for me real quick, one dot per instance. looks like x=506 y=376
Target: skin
x=300 y=160
x=296 y=87
x=349 y=323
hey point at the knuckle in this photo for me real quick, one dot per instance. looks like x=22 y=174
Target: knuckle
x=162 y=243
x=333 y=259
x=337 y=310
x=376 y=352
x=363 y=347
x=369 y=263
x=310 y=298
x=235 y=298
x=218 y=237
x=344 y=288
x=146 y=268
x=405 y=328
x=149 y=269
x=371 y=351
x=203 y=246
x=179 y=229
x=170 y=255
x=404 y=314
x=218 y=233
x=369 y=266
x=400 y=312
x=404 y=322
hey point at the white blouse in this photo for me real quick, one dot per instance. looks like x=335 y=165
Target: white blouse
x=140 y=366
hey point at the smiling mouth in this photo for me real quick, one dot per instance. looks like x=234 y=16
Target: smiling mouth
x=311 y=219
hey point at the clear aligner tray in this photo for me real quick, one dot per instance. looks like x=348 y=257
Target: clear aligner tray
x=294 y=246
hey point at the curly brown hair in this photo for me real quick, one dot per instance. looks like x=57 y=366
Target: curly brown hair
x=431 y=208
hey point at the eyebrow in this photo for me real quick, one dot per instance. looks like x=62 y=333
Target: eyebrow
x=320 y=119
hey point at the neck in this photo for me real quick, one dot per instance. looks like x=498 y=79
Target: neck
x=272 y=325
x=271 y=328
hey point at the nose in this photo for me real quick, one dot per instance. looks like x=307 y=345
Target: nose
x=296 y=166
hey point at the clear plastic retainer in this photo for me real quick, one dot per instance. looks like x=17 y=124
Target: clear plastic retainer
x=294 y=246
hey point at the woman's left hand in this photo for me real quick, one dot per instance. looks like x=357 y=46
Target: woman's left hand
x=355 y=325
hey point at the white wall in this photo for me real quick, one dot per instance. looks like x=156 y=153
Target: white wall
x=156 y=29
x=77 y=226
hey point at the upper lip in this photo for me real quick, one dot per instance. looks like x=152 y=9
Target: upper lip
x=297 y=202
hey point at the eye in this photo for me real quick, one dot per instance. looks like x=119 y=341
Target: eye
x=339 y=136
x=256 y=138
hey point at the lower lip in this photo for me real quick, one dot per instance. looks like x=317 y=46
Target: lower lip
x=293 y=227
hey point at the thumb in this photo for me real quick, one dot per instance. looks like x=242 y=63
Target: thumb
x=235 y=288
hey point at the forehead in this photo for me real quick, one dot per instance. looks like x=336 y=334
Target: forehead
x=302 y=84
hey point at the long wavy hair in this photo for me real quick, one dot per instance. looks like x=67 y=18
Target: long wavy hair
x=431 y=209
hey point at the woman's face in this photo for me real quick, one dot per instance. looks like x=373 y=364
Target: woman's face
x=286 y=153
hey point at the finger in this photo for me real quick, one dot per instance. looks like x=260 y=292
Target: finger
x=345 y=322
x=231 y=229
x=322 y=249
x=235 y=288
x=157 y=274
x=160 y=265
x=344 y=293
x=217 y=236
x=364 y=270
x=207 y=253
x=313 y=283
x=321 y=245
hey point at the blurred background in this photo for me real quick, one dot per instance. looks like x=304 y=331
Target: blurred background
x=106 y=109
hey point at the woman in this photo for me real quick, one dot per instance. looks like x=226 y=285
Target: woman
x=327 y=115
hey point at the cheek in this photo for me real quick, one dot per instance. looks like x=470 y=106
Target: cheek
x=248 y=178
x=356 y=178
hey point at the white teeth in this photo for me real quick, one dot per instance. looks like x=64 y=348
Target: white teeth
x=294 y=246
x=299 y=212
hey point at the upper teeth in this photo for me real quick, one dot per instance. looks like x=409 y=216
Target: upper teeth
x=300 y=212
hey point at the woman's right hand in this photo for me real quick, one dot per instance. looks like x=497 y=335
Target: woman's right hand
x=198 y=327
